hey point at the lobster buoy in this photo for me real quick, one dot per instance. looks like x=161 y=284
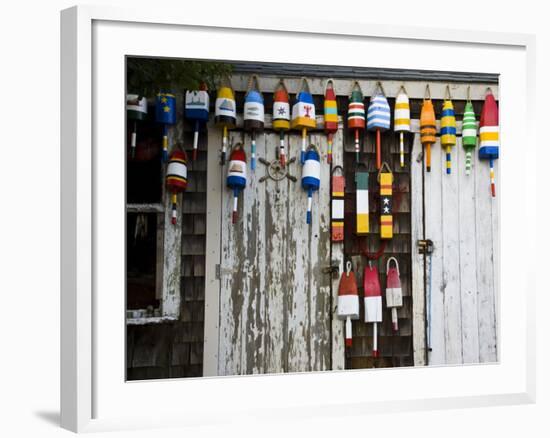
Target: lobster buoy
x=253 y=118
x=356 y=115
x=197 y=105
x=303 y=114
x=402 y=120
x=427 y=127
x=176 y=179
x=378 y=119
x=348 y=300
x=136 y=109
x=469 y=132
x=385 y=178
x=225 y=115
x=311 y=176
x=448 y=128
x=338 y=186
x=165 y=114
x=488 y=135
x=394 y=293
x=373 y=303
x=281 y=117
x=330 y=117
x=236 y=176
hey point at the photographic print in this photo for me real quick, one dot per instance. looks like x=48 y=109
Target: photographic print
x=289 y=218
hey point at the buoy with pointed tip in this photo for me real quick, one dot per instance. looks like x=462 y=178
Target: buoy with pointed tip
x=402 y=120
x=447 y=130
x=303 y=114
x=197 y=107
x=311 y=176
x=136 y=109
x=236 y=176
x=330 y=117
x=281 y=117
x=489 y=136
x=394 y=293
x=348 y=300
x=427 y=127
x=469 y=134
x=373 y=303
x=356 y=115
x=176 y=179
x=165 y=113
x=378 y=119
x=253 y=118
x=225 y=116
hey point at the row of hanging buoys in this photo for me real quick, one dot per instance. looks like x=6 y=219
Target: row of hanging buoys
x=402 y=120
x=378 y=119
x=330 y=117
x=136 y=108
x=356 y=115
x=236 y=176
x=253 y=118
x=165 y=112
x=311 y=176
x=448 y=128
x=197 y=106
x=281 y=117
x=488 y=135
x=348 y=298
x=427 y=127
x=176 y=178
x=225 y=114
x=303 y=115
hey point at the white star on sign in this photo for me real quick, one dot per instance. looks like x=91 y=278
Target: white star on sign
x=386 y=201
x=386 y=210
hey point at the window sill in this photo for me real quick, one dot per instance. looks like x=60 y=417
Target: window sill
x=150 y=320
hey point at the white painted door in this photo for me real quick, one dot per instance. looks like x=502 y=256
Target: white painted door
x=274 y=303
x=455 y=289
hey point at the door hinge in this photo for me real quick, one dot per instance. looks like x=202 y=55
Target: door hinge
x=425 y=246
x=333 y=269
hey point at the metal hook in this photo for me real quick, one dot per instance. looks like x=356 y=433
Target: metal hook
x=348 y=268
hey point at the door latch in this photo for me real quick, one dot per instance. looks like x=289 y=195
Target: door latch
x=425 y=246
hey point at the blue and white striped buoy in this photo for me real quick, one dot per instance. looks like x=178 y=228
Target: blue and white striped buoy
x=378 y=119
x=311 y=176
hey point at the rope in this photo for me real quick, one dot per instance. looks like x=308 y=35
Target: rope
x=448 y=92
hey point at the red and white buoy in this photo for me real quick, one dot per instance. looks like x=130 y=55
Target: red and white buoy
x=394 y=293
x=348 y=300
x=176 y=179
x=373 y=303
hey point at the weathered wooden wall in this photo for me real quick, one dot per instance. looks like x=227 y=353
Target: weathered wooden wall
x=462 y=220
x=275 y=299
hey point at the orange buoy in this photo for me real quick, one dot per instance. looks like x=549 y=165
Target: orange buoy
x=281 y=117
x=427 y=127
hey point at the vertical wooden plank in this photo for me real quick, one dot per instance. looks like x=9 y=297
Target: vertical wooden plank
x=214 y=212
x=276 y=279
x=338 y=347
x=171 y=296
x=468 y=267
x=319 y=293
x=254 y=242
x=434 y=231
x=417 y=233
x=484 y=261
x=451 y=259
x=232 y=279
x=298 y=287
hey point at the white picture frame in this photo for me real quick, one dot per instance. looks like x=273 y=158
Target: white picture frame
x=93 y=396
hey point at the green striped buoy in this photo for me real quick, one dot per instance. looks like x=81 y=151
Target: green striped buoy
x=469 y=134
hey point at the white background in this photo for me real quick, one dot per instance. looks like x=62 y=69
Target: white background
x=29 y=233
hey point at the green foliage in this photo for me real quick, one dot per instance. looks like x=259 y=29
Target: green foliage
x=147 y=76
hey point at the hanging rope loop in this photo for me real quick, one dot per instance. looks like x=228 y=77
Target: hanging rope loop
x=380 y=88
x=348 y=268
x=468 y=94
x=402 y=87
x=384 y=165
x=427 y=93
x=335 y=168
x=448 y=93
x=396 y=265
x=253 y=84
